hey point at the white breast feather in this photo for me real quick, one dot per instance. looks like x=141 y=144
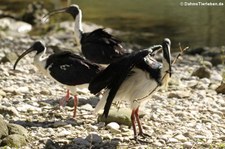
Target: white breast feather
x=137 y=86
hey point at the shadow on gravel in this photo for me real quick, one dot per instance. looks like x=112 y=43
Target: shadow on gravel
x=93 y=100
x=92 y=141
x=47 y=124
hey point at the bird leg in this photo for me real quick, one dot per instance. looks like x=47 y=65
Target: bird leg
x=65 y=99
x=141 y=133
x=75 y=106
x=133 y=116
x=133 y=124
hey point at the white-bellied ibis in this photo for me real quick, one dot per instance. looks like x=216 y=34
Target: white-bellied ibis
x=64 y=67
x=97 y=46
x=133 y=78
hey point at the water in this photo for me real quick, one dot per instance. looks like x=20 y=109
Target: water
x=147 y=22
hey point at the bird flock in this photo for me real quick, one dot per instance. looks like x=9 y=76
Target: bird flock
x=132 y=77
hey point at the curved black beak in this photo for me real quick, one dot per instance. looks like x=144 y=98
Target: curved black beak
x=55 y=12
x=73 y=10
x=166 y=53
x=22 y=55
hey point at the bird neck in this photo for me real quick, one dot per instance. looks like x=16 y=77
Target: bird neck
x=165 y=76
x=78 y=27
x=165 y=68
x=40 y=61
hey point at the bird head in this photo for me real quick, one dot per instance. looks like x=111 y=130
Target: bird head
x=73 y=10
x=38 y=46
x=166 y=54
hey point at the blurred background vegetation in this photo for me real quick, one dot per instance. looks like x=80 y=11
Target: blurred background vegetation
x=146 y=22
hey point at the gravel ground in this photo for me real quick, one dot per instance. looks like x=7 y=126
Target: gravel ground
x=190 y=114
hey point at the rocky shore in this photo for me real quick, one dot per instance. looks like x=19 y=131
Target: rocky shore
x=190 y=114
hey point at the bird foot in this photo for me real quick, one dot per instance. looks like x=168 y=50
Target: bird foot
x=140 y=141
x=64 y=101
x=144 y=135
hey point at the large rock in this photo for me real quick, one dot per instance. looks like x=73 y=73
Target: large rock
x=14 y=140
x=17 y=129
x=202 y=72
x=9 y=57
x=12 y=135
x=121 y=116
x=215 y=53
x=196 y=51
x=94 y=138
x=3 y=128
x=221 y=88
x=216 y=60
x=17 y=27
x=51 y=145
x=205 y=51
x=8 y=110
x=118 y=117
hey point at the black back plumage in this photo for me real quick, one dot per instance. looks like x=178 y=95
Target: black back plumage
x=71 y=69
x=153 y=68
x=114 y=75
x=101 y=47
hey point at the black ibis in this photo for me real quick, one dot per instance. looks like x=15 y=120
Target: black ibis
x=64 y=67
x=97 y=46
x=133 y=78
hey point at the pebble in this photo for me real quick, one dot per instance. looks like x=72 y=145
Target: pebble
x=81 y=141
x=59 y=124
x=158 y=144
x=27 y=107
x=113 y=127
x=2 y=93
x=22 y=90
x=172 y=140
x=181 y=138
x=179 y=94
x=187 y=145
x=86 y=107
x=63 y=133
x=93 y=138
x=93 y=127
x=9 y=110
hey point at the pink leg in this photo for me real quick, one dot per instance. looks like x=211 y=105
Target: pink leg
x=133 y=123
x=66 y=98
x=141 y=133
x=75 y=106
x=138 y=121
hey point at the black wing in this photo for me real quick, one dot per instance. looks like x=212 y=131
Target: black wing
x=152 y=67
x=71 y=69
x=113 y=76
x=101 y=47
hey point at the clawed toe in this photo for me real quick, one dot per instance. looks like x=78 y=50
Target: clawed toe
x=140 y=141
x=62 y=102
x=144 y=135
